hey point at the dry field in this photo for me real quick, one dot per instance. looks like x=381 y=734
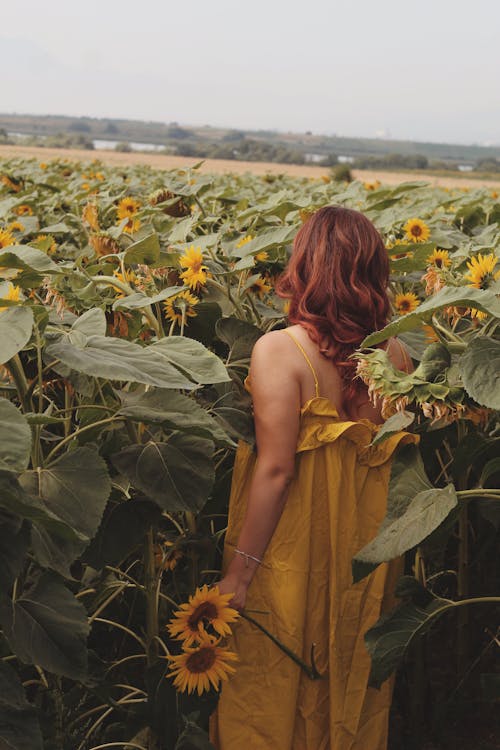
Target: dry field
x=220 y=166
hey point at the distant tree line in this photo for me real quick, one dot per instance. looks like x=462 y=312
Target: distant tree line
x=244 y=149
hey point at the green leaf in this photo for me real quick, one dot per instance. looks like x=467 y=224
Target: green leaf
x=265 y=241
x=138 y=299
x=16 y=325
x=46 y=625
x=480 y=370
x=145 y=251
x=173 y=410
x=462 y=296
x=177 y=475
x=239 y=335
x=28 y=258
x=117 y=359
x=19 y=728
x=199 y=363
x=14 y=543
x=75 y=489
x=92 y=322
x=396 y=423
x=425 y=512
x=15 y=438
x=193 y=738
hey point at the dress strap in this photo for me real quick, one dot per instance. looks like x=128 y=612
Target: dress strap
x=299 y=346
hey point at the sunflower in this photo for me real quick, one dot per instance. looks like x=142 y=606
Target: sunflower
x=6 y=238
x=259 y=287
x=132 y=225
x=127 y=207
x=416 y=230
x=12 y=295
x=46 y=243
x=261 y=257
x=13 y=185
x=206 y=607
x=198 y=668
x=195 y=273
x=90 y=216
x=439 y=258
x=23 y=210
x=244 y=241
x=16 y=226
x=168 y=555
x=482 y=270
x=182 y=305
x=43 y=165
x=104 y=244
x=406 y=303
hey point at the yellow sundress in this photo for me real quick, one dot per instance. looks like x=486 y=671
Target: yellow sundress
x=303 y=594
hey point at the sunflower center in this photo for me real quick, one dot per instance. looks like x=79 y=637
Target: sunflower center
x=439 y=262
x=202 y=660
x=416 y=230
x=205 y=611
x=404 y=305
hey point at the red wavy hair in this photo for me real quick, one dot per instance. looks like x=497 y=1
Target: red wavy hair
x=336 y=281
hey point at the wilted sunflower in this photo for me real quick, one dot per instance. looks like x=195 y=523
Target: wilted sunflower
x=127 y=207
x=195 y=273
x=6 y=238
x=417 y=230
x=439 y=258
x=90 y=215
x=205 y=608
x=13 y=294
x=104 y=244
x=196 y=669
x=482 y=270
x=24 y=210
x=406 y=302
x=182 y=304
x=259 y=287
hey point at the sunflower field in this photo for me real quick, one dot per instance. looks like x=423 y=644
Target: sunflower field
x=130 y=301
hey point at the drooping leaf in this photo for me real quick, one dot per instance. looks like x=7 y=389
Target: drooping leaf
x=16 y=324
x=139 y=299
x=192 y=358
x=462 y=296
x=48 y=626
x=480 y=370
x=239 y=335
x=75 y=488
x=173 y=410
x=27 y=258
x=117 y=359
x=19 y=727
x=178 y=475
x=15 y=438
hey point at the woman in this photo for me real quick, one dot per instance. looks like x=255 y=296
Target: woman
x=312 y=494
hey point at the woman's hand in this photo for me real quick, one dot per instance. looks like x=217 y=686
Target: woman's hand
x=233 y=585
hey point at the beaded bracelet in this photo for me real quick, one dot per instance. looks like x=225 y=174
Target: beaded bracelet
x=247 y=557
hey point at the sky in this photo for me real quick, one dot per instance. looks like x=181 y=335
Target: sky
x=425 y=71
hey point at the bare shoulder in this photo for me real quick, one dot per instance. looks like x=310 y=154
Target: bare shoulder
x=271 y=344
x=399 y=355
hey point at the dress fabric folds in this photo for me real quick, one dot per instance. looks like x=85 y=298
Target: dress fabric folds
x=303 y=594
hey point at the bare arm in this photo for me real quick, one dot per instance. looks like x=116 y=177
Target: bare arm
x=276 y=399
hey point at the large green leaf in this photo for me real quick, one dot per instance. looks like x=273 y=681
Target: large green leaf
x=19 y=728
x=14 y=543
x=16 y=324
x=75 y=488
x=239 y=336
x=146 y=251
x=92 y=322
x=139 y=299
x=28 y=258
x=173 y=410
x=178 y=475
x=462 y=296
x=480 y=370
x=117 y=359
x=15 y=438
x=192 y=358
x=389 y=639
x=266 y=240
x=46 y=625
x=397 y=422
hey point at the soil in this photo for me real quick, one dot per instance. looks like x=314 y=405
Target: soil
x=222 y=166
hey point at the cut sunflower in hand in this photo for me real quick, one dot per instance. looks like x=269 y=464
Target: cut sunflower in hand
x=204 y=666
x=206 y=610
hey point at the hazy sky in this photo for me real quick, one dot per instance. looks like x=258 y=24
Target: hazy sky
x=426 y=70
